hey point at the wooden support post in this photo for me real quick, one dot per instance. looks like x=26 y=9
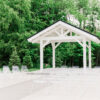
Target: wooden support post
x=53 y=54
x=70 y=33
x=84 y=54
x=90 y=54
x=41 y=55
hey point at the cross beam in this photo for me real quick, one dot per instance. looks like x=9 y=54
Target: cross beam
x=63 y=38
x=46 y=43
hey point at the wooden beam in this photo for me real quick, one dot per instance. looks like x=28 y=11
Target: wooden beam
x=66 y=32
x=53 y=55
x=62 y=31
x=90 y=54
x=57 y=33
x=79 y=42
x=57 y=45
x=41 y=55
x=63 y=38
x=47 y=42
x=84 y=54
x=70 y=33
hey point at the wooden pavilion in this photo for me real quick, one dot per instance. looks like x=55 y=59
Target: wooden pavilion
x=63 y=32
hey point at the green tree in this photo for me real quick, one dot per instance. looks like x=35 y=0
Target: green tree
x=20 y=19
x=14 y=59
x=27 y=60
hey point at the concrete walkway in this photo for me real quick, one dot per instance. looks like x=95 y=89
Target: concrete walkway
x=57 y=84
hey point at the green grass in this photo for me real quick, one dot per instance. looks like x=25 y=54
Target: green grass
x=0 y=69
x=33 y=69
x=30 y=70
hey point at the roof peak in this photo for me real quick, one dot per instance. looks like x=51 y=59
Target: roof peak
x=68 y=26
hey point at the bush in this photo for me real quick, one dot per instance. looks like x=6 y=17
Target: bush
x=14 y=59
x=27 y=60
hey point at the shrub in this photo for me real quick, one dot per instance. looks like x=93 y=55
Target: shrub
x=27 y=60
x=14 y=59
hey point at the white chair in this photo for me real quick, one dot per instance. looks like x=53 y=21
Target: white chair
x=6 y=69
x=24 y=68
x=15 y=69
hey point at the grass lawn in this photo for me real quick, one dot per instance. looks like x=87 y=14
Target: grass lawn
x=30 y=70
x=33 y=69
x=0 y=69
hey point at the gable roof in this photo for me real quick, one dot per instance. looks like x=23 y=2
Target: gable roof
x=74 y=29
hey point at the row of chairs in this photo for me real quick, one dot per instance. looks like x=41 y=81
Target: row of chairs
x=6 y=69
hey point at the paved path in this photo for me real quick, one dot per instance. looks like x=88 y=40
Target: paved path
x=20 y=90
x=57 y=84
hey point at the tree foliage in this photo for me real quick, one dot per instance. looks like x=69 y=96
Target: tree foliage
x=14 y=59
x=20 y=19
x=27 y=60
